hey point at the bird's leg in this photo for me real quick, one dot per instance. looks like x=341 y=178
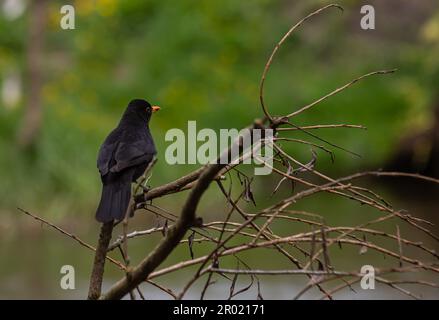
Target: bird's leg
x=145 y=188
x=145 y=185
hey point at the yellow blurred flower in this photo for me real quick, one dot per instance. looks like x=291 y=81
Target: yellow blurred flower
x=84 y=7
x=54 y=16
x=106 y=7
x=50 y=93
x=430 y=31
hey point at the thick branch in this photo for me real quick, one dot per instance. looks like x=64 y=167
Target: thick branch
x=99 y=263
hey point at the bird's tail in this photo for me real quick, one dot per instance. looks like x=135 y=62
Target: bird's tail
x=114 y=202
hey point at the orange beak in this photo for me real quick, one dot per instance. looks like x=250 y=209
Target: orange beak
x=155 y=108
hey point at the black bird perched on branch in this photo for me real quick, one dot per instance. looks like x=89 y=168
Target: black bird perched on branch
x=123 y=158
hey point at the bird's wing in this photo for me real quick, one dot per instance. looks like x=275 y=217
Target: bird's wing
x=106 y=157
x=130 y=154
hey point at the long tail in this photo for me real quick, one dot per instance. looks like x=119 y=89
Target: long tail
x=114 y=202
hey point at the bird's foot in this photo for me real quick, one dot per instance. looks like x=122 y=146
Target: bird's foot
x=145 y=188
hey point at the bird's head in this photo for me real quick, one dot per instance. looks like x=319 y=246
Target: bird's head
x=141 y=108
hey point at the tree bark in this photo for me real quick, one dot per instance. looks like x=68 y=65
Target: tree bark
x=97 y=273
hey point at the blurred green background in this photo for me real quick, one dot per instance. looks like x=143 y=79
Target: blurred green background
x=62 y=91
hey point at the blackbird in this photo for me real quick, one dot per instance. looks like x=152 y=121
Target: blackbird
x=123 y=158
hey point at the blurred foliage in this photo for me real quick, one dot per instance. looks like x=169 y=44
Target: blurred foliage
x=201 y=60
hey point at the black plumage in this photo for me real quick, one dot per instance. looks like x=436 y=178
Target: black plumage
x=122 y=159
